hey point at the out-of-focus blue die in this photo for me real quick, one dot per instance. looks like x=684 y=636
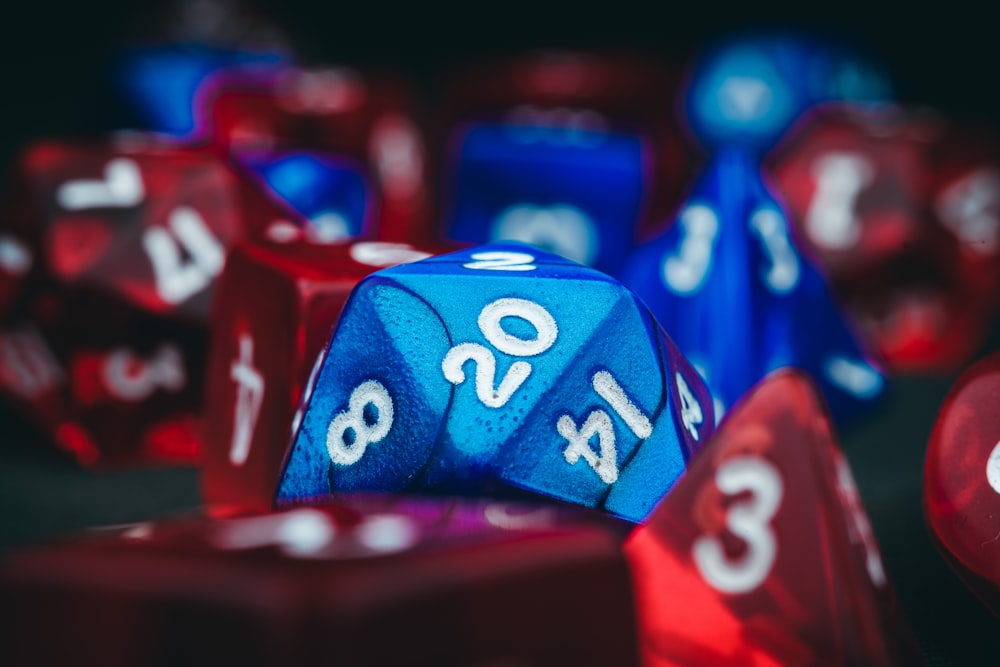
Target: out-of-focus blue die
x=330 y=192
x=573 y=189
x=748 y=91
x=498 y=370
x=738 y=298
x=159 y=84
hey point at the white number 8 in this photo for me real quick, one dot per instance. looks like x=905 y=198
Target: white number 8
x=749 y=520
x=367 y=393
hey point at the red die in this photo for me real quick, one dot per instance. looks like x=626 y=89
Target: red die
x=106 y=345
x=962 y=479
x=398 y=583
x=762 y=554
x=367 y=118
x=904 y=209
x=277 y=302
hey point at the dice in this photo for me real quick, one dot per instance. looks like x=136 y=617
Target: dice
x=368 y=119
x=903 y=207
x=105 y=346
x=572 y=152
x=499 y=369
x=739 y=299
x=962 y=479
x=510 y=584
x=762 y=553
x=277 y=302
x=749 y=89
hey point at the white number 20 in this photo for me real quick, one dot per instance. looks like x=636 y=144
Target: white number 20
x=749 y=520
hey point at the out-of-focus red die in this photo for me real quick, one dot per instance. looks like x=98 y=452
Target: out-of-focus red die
x=762 y=554
x=105 y=346
x=387 y=583
x=369 y=118
x=579 y=91
x=277 y=302
x=903 y=207
x=962 y=479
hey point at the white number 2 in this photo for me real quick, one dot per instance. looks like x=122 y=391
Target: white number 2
x=177 y=280
x=749 y=520
x=501 y=260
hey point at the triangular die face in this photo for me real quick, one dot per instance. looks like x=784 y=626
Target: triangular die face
x=746 y=561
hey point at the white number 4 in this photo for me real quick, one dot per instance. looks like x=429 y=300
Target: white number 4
x=177 y=279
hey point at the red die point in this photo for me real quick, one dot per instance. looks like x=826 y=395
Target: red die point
x=368 y=118
x=390 y=583
x=278 y=300
x=762 y=554
x=962 y=479
x=904 y=209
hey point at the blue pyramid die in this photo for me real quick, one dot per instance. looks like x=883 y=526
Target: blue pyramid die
x=576 y=192
x=330 y=192
x=748 y=91
x=159 y=83
x=740 y=301
x=499 y=370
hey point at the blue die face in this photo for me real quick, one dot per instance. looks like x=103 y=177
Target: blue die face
x=502 y=367
x=159 y=83
x=331 y=193
x=576 y=192
x=738 y=298
x=749 y=91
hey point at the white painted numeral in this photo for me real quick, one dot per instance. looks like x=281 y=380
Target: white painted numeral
x=691 y=413
x=854 y=376
x=608 y=388
x=300 y=533
x=970 y=208
x=859 y=529
x=783 y=274
x=597 y=423
x=15 y=257
x=370 y=392
x=177 y=279
x=993 y=468
x=121 y=187
x=27 y=365
x=831 y=220
x=249 y=394
x=564 y=230
x=501 y=260
x=490 y=318
x=130 y=378
x=749 y=520
x=685 y=271
x=398 y=154
x=378 y=253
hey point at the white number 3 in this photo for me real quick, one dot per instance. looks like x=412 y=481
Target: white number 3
x=748 y=520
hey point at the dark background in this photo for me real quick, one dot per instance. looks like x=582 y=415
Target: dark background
x=53 y=61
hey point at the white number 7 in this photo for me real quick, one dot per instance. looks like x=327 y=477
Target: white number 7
x=176 y=280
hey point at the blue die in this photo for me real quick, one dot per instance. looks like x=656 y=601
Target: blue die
x=496 y=370
x=331 y=193
x=748 y=91
x=738 y=298
x=575 y=191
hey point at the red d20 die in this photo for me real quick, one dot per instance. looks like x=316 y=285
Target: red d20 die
x=369 y=118
x=277 y=302
x=962 y=479
x=762 y=554
x=471 y=583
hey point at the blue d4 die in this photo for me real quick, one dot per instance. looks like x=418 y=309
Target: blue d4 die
x=738 y=298
x=573 y=190
x=749 y=90
x=330 y=192
x=498 y=370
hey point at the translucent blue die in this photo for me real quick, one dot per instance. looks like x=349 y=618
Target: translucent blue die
x=332 y=193
x=572 y=189
x=499 y=370
x=738 y=298
x=749 y=90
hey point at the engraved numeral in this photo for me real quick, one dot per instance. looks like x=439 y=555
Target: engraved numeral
x=177 y=279
x=249 y=394
x=130 y=378
x=831 y=220
x=685 y=271
x=355 y=421
x=121 y=187
x=501 y=260
x=376 y=253
x=783 y=274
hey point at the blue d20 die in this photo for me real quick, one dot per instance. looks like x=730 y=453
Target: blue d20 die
x=738 y=298
x=159 y=83
x=749 y=90
x=332 y=193
x=576 y=192
x=498 y=366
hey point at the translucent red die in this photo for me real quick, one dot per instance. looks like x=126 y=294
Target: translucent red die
x=962 y=479
x=762 y=554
